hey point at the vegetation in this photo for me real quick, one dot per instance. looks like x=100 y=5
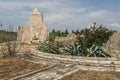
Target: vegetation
x=51 y=47
x=76 y=50
x=97 y=51
x=8 y=42
x=88 y=43
x=96 y=34
x=58 y=33
x=7 y=36
x=94 y=51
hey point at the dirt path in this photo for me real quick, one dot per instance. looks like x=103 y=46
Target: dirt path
x=51 y=73
x=64 y=65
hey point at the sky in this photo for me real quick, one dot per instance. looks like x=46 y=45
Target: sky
x=62 y=14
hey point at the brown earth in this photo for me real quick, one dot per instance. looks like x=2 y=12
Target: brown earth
x=93 y=75
x=12 y=67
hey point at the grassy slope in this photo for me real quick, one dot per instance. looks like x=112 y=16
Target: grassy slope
x=4 y=36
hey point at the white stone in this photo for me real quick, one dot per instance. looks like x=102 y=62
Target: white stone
x=35 y=31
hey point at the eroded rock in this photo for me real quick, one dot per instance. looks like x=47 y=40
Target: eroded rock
x=113 y=45
x=35 y=31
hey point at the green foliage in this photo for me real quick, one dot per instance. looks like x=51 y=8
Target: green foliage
x=66 y=32
x=58 y=33
x=96 y=34
x=97 y=51
x=75 y=50
x=7 y=36
x=50 y=47
x=79 y=50
x=88 y=42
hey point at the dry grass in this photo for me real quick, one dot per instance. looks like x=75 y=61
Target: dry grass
x=23 y=46
x=6 y=35
x=12 y=67
x=93 y=75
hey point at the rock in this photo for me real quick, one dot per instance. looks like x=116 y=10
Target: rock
x=69 y=40
x=113 y=45
x=35 y=31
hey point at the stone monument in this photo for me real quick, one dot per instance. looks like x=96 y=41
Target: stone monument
x=35 y=31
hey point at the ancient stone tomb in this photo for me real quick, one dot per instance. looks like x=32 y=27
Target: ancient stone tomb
x=35 y=31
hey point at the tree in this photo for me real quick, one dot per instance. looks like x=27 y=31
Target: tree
x=96 y=35
x=66 y=32
x=73 y=31
x=59 y=33
x=53 y=31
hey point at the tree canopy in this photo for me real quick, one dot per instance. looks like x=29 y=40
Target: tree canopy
x=96 y=34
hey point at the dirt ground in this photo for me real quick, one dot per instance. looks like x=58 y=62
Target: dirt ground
x=93 y=75
x=12 y=67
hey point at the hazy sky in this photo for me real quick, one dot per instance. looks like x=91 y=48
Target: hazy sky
x=62 y=14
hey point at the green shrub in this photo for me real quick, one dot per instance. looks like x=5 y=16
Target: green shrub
x=51 y=47
x=97 y=51
x=75 y=50
x=96 y=34
x=87 y=45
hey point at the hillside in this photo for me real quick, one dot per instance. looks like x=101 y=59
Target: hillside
x=7 y=36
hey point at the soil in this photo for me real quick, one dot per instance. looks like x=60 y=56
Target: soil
x=15 y=66
x=93 y=75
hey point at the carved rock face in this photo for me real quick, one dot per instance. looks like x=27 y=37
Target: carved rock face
x=35 y=31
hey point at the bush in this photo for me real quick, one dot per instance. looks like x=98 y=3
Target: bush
x=97 y=51
x=88 y=42
x=51 y=47
x=96 y=34
x=75 y=50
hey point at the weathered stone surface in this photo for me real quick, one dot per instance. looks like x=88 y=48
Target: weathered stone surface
x=35 y=31
x=61 y=66
x=70 y=39
x=113 y=45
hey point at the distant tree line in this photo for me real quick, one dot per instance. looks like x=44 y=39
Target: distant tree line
x=59 y=33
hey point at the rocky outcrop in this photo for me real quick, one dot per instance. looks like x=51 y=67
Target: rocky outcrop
x=35 y=31
x=113 y=45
